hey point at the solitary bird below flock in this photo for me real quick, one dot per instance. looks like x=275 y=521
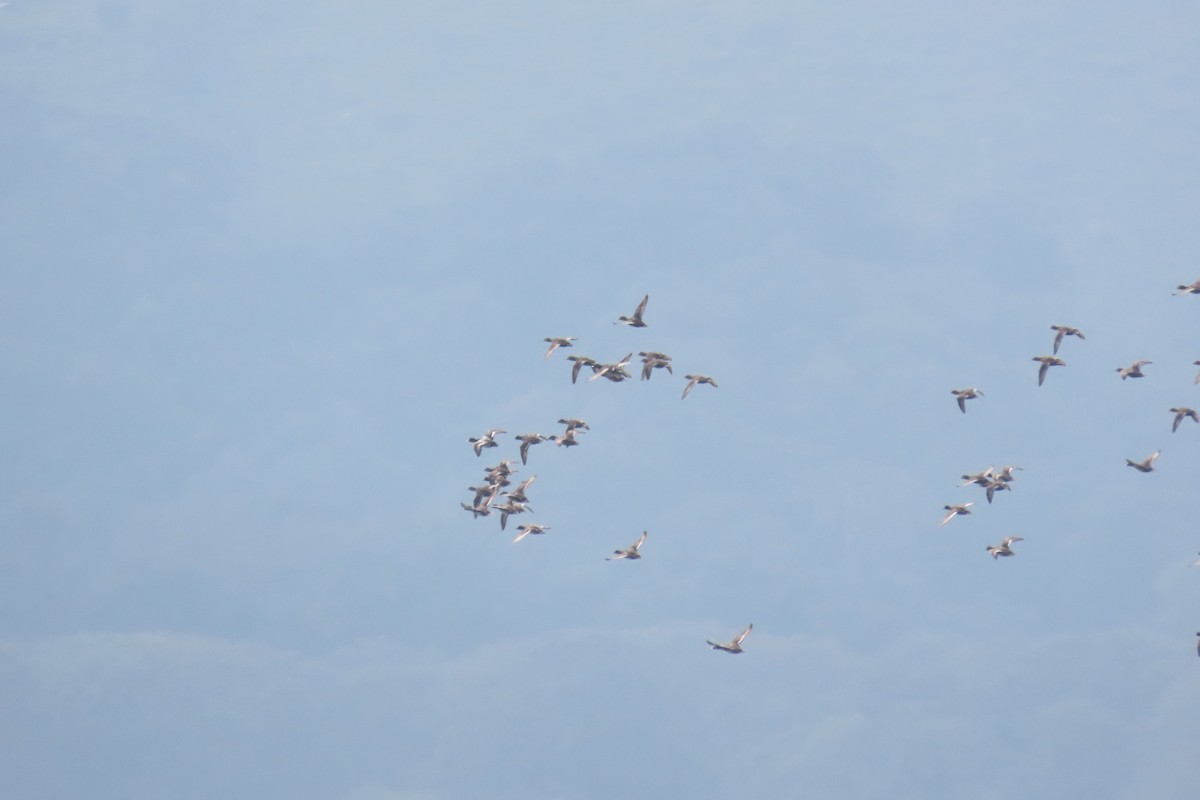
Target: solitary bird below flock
x=736 y=645
x=631 y=552
x=1147 y=465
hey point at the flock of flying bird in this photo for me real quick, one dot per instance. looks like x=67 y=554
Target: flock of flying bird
x=516 y=501
x=993 y=481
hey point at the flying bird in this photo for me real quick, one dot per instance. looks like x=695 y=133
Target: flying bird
x=566 y=439
x=636 y=320
x=964 y=395
x=487 y=440
x=557 y=342
x=651 y=364
x=581 y=361
x=486 y=492
x=632 y=552
x=526 y=530
x=1180 y=413
x=692 y=380
x=1134 y=370
x=736 y=645
x=510 y=507
x=527 y=439
x=1005 y=547
x=954 y=511
x=614 y=372
x=1064 y=330
x=1191 y=288
x=518 y=494
x=996 y=486
x=573 y=423
x=1147 y=465
x=1197 y=363
x=1047 y=363
x=980 y=478
x=1006 y=474
x=477 y=511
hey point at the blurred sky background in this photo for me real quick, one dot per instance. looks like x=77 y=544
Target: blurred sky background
x=265 y=267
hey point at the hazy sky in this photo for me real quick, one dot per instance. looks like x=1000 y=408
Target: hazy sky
x=265 y=267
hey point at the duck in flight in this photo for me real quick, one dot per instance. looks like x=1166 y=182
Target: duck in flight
x=954 y=511
x=1180 y=414
x=693 y=380
x=557 y=342
x=636 y=320
x=1064 y=330
x=1047 y=363
x=1144 y=466
x=964 y=395
x=1005 y=547
x=1134 y=370
x=631 y=552
x=736 y=645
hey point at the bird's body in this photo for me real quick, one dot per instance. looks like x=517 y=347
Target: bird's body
x=693 y=380
x=635 y=321
x=1064 y=330
x=631 y=552
x=1147 y=465
x=1046 y=363
x=1004 y=549
x=964 y=395
x=736 y=645
x=1134 y=370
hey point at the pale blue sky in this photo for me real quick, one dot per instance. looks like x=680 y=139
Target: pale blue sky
x=264 y=269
